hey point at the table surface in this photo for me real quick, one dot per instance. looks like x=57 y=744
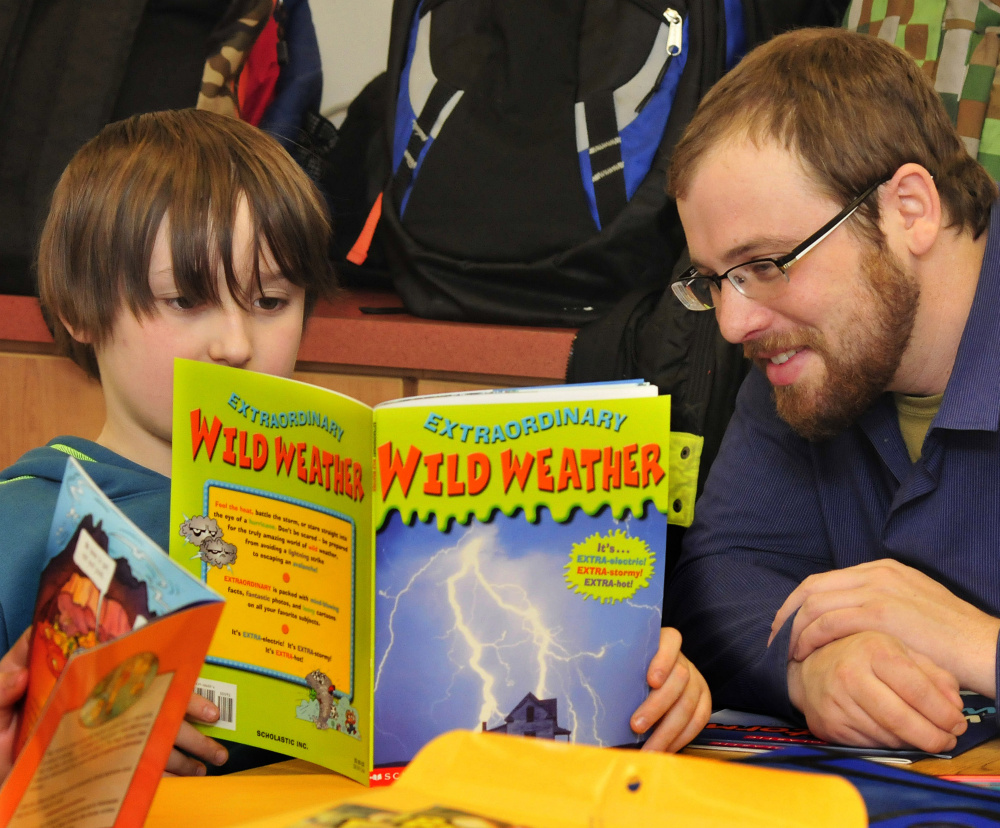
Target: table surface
x=255 y=794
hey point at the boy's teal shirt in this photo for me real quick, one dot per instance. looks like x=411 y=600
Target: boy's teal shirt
x=28 y=492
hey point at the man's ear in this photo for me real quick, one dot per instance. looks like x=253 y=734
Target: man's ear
x=911 y=208
x=80 y=336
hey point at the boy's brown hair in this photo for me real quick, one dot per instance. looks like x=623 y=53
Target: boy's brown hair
x=853 y=108
x=196 y=166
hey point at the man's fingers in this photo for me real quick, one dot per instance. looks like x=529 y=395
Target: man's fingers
x=904 y=701
x=930 y=691
x=946 y=684
x=836 y=580
x=825 y=617
x=835 y=616
x=871 y=689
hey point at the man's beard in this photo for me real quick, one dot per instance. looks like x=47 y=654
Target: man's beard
x=868 y=355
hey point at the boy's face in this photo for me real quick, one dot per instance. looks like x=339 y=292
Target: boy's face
x=136 y=362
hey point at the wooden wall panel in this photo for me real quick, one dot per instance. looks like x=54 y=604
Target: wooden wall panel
x=370 y=390
x=41 y=397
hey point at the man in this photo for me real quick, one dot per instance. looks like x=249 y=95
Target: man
x=844 y=563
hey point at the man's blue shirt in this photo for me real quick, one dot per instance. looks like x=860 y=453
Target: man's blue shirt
x=777 y=508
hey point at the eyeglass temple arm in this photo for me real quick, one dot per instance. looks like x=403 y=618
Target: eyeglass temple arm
x=828 y=228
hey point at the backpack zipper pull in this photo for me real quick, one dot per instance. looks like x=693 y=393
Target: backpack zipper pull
x=280 y=17
x=675 y=32
x=675 y=42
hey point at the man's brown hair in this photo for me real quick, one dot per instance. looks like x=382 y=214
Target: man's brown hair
x=853 y=108
x=196 y=166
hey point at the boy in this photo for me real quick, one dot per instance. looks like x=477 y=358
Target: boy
x=192 y=235
x=173 y=234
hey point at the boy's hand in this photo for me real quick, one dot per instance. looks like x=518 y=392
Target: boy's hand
x=679 y=702
x=13 y=683
x=192 y=741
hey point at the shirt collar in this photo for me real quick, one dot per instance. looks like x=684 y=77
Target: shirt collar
x=972 y=396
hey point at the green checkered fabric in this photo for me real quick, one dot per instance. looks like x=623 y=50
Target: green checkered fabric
x=957 y=43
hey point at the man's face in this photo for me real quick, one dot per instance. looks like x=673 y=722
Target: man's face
x=834 y=339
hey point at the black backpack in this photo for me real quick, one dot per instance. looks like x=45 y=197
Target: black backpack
x=649 y=334
x=520 y=156
x=67 y=68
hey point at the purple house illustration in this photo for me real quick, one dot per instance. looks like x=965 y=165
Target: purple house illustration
x=532 y=717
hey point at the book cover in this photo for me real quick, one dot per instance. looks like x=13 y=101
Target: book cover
x=486 y=560
x=271 y=506
x=742 y=731
x=119 y=633
x=519 y=570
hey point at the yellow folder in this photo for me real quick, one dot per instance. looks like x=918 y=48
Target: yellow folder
x=543 y=784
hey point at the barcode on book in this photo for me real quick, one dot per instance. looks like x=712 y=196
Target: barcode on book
x=223 y=695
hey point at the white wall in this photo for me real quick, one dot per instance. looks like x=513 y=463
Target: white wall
x=353 y=41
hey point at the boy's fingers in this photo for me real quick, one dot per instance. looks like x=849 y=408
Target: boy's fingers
x=181 y=765
x=661 y=699
x=13 y=683
x=200 y=709
x=665 y=658
x=13 y=679
x=17 y=656
x=197 y=744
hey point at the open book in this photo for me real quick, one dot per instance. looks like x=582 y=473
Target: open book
x=119 y=634
x=487 y=560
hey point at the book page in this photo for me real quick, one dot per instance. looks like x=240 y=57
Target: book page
x=85 y=772
x=296 y=572
x=271 y=504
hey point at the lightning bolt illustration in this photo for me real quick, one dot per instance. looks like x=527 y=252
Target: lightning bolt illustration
x=545 y=641
x=493 y=614
x=396 y=601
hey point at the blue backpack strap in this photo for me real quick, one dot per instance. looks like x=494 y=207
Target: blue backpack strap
x=425 y=126
x=423 y=106
x=607 y=169
x=619 y=132
x=736 y=32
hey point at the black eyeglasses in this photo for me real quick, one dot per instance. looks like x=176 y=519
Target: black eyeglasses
x=759 y=279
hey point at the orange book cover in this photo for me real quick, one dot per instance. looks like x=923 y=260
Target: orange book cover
x=119 y=635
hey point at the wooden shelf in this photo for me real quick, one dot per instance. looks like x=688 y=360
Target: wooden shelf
x=370 y=356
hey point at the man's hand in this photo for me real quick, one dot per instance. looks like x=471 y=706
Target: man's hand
x=869 y=689
x=13 y=683
x=195 y=744
x=679 y=702
x=890 y=597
